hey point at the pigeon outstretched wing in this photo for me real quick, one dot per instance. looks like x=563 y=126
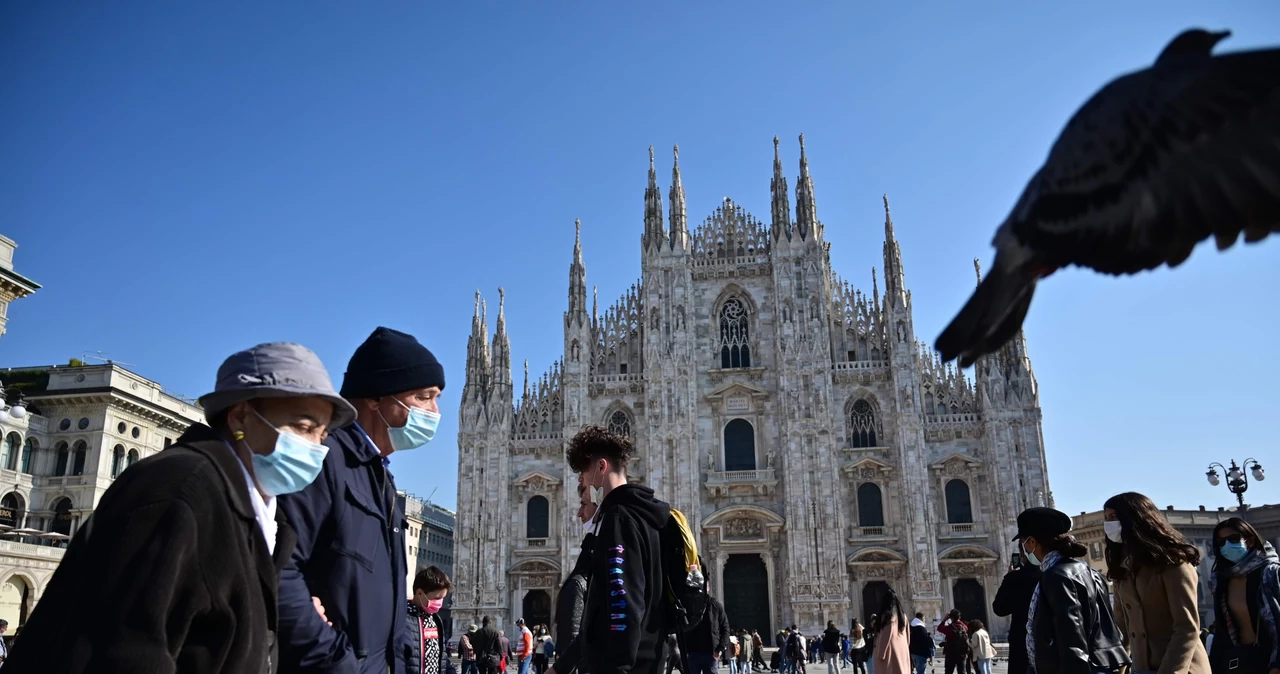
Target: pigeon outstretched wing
x=1156 y=162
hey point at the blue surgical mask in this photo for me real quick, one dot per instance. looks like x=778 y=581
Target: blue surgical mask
x=416 y=432
x=294 y=464
x=1031 y=558
x=1234 y=552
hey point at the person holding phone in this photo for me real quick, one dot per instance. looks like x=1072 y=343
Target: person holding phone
x=1014 y=599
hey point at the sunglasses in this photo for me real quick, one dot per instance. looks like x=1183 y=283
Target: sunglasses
x=1233 y=538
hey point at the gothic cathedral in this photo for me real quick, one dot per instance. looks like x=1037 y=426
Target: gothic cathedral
x=827 y=454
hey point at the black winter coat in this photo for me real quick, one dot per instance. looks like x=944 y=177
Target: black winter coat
x=1075 y=630
x=1014 y=599
x=624 y=628
x=411 y=649
x=831 y=640
x=712 y=634
x=350 y=554
x=175 y=569
x=570 y=605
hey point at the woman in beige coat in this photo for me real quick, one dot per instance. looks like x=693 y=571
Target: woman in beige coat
x=1153 y=570
x=891 y=654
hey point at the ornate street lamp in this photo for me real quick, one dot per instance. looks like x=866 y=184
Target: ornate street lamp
x=1237 y=481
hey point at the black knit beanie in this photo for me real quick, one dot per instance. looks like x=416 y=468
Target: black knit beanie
x=390 y=362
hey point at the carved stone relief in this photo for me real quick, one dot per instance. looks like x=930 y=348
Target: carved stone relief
x=741 y=527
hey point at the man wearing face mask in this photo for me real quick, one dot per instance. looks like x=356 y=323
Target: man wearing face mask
x=351 y=549
x=573 y=595
x=624 y=625
x=180 y=560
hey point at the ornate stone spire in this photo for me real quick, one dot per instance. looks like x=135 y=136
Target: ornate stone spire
x=595 y=305
x=654 y=231
x=806 y=205
x=895 y=282
x=477 y=380
x=501 y=344
x=781 y=199
x=526 y=379
x=679 y=220
x=977 y=270
x=577 y=279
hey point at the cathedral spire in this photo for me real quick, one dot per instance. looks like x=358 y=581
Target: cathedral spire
x=526 y=380
x=679 y=221
x=806 y=204
x=577 y=279
x=501 y=344
x=977 y=270
x=781 y=200
x=595 y=305
x=895 y=282
x=477 y=380
x=654 y=232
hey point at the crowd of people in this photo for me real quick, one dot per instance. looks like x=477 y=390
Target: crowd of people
x=270 y=540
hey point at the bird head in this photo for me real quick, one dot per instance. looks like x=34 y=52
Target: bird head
x=1196 y=43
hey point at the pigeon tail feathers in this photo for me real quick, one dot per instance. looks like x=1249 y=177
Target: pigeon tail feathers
x=991 y=317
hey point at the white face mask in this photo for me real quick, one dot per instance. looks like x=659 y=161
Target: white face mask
x=590 y=526
x=1112 y=530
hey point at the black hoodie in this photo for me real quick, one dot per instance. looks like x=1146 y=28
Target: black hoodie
x=624 y=625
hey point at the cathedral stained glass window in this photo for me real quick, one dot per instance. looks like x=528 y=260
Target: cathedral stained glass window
x=735 y=350
x=620 y=424
x=862 y=425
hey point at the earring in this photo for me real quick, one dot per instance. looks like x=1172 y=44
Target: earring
x=238 y=435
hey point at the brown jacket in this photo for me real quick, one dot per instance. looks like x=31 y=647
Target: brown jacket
x=1157 y=613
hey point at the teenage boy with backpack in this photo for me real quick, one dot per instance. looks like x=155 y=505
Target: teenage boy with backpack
x=626 y=620
x=955 y=649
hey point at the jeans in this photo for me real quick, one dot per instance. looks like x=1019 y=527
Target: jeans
x=702 y=663
x=469 y=667
x=833 y=663
x=871 y=659
x=733 y=665
x=524 y=664
x=983 y=666
x=922 y=661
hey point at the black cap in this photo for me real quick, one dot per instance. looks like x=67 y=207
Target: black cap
x=390 y=362
x=1042 y=523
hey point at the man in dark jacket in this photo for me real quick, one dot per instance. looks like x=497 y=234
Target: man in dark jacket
x=572 y=600
x=709 y=639
x=955 y=649
x=351 y=549
x=488 y=645
x=181 y=559
x=921 y=645
x=624 y=624
x=1014 y=599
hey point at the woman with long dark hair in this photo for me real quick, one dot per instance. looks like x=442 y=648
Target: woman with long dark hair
x=1070 y=627
x=1246 y=601
x=1153 y=570
x=891 y=653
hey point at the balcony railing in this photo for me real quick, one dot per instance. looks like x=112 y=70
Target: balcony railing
x=962 y=418
x=965 y=530
x=534 y=542
x=864 y=534
x=862 y=365
x=720 y=481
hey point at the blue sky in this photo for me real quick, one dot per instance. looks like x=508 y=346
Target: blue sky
x=189 y=179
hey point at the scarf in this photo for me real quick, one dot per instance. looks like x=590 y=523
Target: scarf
x=1268 y=562
x=1051 y=560
x=917 y=621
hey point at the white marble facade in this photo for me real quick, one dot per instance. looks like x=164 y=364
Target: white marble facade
x=826 y=452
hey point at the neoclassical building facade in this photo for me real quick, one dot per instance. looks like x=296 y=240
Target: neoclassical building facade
x=66 y=433
x=825 y=452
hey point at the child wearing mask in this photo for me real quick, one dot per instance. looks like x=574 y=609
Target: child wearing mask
x=424 y=647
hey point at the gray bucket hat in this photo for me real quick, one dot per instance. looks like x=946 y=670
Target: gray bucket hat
x=275 y=370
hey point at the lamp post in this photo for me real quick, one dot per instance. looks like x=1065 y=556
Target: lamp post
x=1237 y=481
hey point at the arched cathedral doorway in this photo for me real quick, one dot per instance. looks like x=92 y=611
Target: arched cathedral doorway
x=970 y=598
x=746 y=593
x=536 y=609
x=873 y=594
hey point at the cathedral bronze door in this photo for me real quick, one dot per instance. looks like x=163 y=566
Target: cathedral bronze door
x=971 y=599
x=746 y=593
x=537 y=608
x=873 y=594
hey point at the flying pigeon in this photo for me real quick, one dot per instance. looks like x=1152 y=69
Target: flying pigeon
x=1157 y=161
